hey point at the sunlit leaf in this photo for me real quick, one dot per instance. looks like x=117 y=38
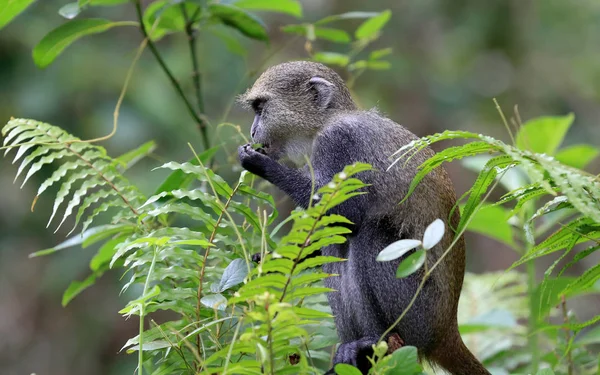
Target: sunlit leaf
x=9 y=9
x=332 y=58
x=291 y=7
x=578 y=156
x=370 y=28
x=433 y=234
x=397 y=249
x=544 y=134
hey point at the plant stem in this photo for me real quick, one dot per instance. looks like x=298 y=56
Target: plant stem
x=200 y=119
x=563 y=303
x=532 y=335
x=196 y=78
x=142 y=305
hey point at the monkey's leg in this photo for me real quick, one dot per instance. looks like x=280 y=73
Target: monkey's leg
x=355 y=353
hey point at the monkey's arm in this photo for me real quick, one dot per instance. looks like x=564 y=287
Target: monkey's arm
x=294 y=182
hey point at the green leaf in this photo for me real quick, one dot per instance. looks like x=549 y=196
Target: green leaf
x=545 y=371
x=9 y=9
x=404 y=361
x=332 y=35
x=494 y=167
x=162 y=17
x=239 y=20
x=155 y=291
x=411 y=264
x=397 y=249
x=439 y=158
x=60 y=38
x=89 y=235
x=344 y=369
x=70 y=10
x=544 y=134
x=590 y=337
x=585 y=281
x=291 y=7
x=376 y=55
x=106 y=2
x=130 y=158
x=370 y=28
x=492 y=221
x=77 y=287
x=346 y=16
x=179 y=179
x=433 y=234
x=105 y=253
x=332 y=58
x=312 y=32
x=578 y=156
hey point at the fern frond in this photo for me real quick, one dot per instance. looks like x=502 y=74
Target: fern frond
x=85 y=167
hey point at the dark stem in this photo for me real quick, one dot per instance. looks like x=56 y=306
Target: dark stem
x=198 y=117
x=565 y=313
x=197 y=80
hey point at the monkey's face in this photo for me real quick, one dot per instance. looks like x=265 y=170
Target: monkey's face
x=291 y=103
x=279 y=119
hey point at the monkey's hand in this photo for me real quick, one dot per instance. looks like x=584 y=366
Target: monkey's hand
x=255 y=161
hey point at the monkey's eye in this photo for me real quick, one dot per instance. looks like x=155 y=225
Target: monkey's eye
x=258 y=105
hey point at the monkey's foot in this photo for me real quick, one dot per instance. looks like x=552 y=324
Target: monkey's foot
x=355 y=353
x=394 y=342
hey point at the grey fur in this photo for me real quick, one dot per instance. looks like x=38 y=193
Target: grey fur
x=298 y=107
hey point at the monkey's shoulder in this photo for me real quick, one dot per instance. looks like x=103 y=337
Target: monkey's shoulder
x=363 y=129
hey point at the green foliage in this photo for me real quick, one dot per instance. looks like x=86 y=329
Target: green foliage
x=548 y=193
x=187 y=250
x=365 y=34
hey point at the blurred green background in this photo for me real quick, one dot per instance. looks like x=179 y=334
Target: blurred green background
x=450 y=58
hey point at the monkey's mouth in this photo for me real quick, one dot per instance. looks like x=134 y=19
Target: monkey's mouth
x=263 y=148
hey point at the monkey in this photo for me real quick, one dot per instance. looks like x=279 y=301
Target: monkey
x=304 y=110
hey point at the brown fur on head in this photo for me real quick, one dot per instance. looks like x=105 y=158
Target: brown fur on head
x=292 y=102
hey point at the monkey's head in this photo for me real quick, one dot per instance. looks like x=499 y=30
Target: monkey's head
x=292 y=101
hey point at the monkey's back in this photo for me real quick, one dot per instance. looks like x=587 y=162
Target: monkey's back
x=370 y=297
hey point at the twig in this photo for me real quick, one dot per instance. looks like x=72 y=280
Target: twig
x=200 y=119
x=563 y=303
x=189 y=30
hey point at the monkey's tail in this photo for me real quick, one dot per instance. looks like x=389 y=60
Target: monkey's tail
x=454 y=356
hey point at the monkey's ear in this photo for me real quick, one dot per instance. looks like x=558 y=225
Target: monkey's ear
x=324 y=91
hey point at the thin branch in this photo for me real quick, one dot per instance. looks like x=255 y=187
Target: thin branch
x=200 y=119
x=189 y=30
x=563 y=303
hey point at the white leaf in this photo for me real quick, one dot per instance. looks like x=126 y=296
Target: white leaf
x=234 y=274
x=433 y=234
x=214 y=301
x=397 y=249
